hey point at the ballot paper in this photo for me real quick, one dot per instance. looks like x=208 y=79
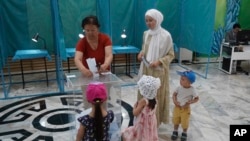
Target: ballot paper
x=92 y=66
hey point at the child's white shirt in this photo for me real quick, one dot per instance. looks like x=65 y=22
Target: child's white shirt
x=185 y=94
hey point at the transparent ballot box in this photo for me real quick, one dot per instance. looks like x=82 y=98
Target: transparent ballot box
x=78 y=83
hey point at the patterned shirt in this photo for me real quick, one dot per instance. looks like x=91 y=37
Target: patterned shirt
x=88 y=123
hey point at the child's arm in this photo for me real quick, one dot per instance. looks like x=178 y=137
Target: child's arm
x=194 y=100
x=138 y=107
x=80 y=133
x=174 y=97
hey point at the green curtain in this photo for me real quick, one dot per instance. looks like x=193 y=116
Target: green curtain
x=244 y=14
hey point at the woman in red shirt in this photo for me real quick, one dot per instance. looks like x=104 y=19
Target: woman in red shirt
x=94 y=45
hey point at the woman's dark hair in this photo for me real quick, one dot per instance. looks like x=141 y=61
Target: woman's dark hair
x=98 y=121
x=90 y=20
x=151 y=103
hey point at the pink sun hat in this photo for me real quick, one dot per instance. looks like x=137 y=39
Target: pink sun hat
x=96 y=90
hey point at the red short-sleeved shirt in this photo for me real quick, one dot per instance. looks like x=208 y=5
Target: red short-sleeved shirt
x=99 y=54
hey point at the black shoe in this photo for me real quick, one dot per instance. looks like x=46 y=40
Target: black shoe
x=174 y=135
x=183 y=136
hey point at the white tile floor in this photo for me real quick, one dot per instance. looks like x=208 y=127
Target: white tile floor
x=224 y=100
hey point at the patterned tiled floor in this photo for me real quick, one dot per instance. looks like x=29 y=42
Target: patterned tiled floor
x=224 y=100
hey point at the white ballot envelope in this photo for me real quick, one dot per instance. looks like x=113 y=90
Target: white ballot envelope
x=92 y=66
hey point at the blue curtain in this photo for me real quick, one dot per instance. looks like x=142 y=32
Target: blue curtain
x=15 y=29
x=189 y=21
x=197 y=24
x=122 y=15
x=59 y=43
x=171 y=10
x=3 y=49
x=139 y=19
x=72 y=12
x=103 y=13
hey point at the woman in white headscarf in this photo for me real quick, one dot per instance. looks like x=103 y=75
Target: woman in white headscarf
x=156 y=55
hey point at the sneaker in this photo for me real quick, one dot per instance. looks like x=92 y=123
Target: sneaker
x=174 y=135
x=183 y=136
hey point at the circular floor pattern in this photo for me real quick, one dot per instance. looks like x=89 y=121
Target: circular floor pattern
x=48 y=118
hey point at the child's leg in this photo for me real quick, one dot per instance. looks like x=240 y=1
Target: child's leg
x=176 y=127
x=175 y=132
x=176 y=117
x=176 y=122
x=185 y=117
x=185 y=130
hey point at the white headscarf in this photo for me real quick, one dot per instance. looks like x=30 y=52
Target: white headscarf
x=161 y=40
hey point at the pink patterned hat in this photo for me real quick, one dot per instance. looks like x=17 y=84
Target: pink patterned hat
x=96 y=90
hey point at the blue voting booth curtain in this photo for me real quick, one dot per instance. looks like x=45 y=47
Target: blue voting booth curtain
x=72 y=14
x=103 y=14
x=197 y=24
x=3 y=49
x=15 y=29
x=171 y=10
x=139 y=19
x=59 y=44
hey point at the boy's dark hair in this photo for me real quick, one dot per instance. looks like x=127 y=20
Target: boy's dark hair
x=236 y=25
x=98 y=121
x=151 y=103
x=90 y=20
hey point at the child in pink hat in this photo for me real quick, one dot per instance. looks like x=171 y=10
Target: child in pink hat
x=95 y=125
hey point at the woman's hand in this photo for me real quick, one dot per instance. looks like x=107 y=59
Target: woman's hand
x=87 y=72
x=140 y=55
x=103 y=68
x=155 y=64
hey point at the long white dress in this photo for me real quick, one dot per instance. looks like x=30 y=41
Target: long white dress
x=162 y=112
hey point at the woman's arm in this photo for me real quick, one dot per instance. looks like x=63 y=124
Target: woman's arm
x=138 y=107
x=166 y=60
x=80 y=66
x=141 y=54
x=108 y=58
x=80 y=133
